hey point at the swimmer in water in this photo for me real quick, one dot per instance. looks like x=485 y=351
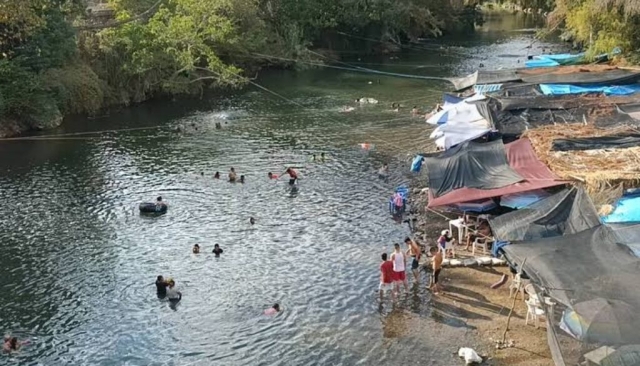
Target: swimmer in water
x=395 y=107
x=252 y=221
x=216 y=176
x=242 y=179
x=272 y=176
x=161 y=287
x=13 y=344
x=414 y=111
x=196 y=249
x=217 y=250
x=172 y=293
x=275 y=309
x=232 y=175
x=159 y=202
x=383 y=171
x=322 y=157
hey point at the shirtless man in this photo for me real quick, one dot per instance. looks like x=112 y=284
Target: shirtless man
x=399 y=266
x=414 y=252
x=437 y=267
x=293 y=175
x=232 y=175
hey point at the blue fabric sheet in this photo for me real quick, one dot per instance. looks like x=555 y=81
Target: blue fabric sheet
x=417 y=164
x=499 y=244
x=627 y=210
x=541 y=62
x=564 y=89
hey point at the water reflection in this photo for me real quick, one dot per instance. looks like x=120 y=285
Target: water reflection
x=79 y=259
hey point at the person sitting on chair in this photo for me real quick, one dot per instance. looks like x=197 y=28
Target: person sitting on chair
x=482 y=232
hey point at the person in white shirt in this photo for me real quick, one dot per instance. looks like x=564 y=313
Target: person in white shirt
x=172 y=293
x=399 y=267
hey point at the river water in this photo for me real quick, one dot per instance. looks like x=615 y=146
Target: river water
x=78 y=261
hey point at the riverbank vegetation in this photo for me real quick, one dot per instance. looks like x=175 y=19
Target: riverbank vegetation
x=598 y=26
x=57 y=58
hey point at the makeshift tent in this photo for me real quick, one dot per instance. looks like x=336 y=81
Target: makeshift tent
x=580 y=268
x=449 y=135
x=561 y=89
x=461 y=175
x=627 y=209
x=476 y=206
x=523 y=199
x=471 y=111
x=566 y=212
x=472 y=165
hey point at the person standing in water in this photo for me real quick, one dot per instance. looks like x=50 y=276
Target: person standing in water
x=216 y=176
x=217 y=250
x=399 y=266
x=242 y=179
x=414 y=252
x=232 y=175
x=293 y=175
x=196 y=249
x=437 y=267
x=386 y=277
x=161 y=287
x=172 y=293
x=159 y=203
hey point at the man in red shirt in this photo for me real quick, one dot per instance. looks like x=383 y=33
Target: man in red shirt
x=293 y=175
x=386 y=277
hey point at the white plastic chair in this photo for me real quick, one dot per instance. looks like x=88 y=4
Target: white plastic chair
x=515 y=284
x=533 y=312
x=482 y=243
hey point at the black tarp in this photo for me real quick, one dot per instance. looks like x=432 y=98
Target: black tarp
x=583 y=268
x=607 y=77
x=471 y=165
x=566 y=212
x=592 y=143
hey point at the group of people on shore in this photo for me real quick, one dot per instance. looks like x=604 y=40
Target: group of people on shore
x=393 y=268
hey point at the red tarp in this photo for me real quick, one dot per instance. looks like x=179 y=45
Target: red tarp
x=524 y=161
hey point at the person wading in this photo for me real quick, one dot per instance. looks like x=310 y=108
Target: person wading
x=414 y=252
x=399 y=266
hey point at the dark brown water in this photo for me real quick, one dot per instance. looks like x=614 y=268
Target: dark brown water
x=78 y=261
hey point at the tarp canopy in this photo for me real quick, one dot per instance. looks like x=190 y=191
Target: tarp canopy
x=580 y=268
x=562 y=89
x=523 y=199
x=472 y=165
x=472 y=110
x=449 y=135
x=593 y=143
x=566 y=212
x=461 y=174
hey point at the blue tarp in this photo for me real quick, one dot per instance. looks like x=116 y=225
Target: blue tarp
x=486 y=88
x=497 y=245
x=543 y=62
x=563 y=89
x=554 y=60
x=627 y=210
x=524 y=199
x=417 y=164
x=452 y=99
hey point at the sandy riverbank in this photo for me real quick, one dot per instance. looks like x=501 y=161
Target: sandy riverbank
x=469 y=303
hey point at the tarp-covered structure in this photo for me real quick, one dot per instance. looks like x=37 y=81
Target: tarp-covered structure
x=569 y=211
x=474 y=171
x=586 y=270
x=461 y=121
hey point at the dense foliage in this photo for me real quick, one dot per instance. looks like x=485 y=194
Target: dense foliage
x=54 y=60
